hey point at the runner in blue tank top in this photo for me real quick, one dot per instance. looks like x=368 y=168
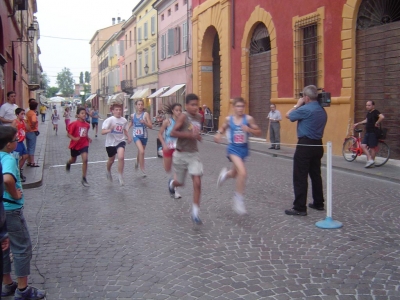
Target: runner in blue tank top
x=140 y=122
x=168 y=142
x=238 y=127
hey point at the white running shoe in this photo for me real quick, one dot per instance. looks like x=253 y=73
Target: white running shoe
x=238 y=206
x=144 y=173
x=222 y=177
x=121 y=180
x=177 y=195
x=109 y=176
x=369 y=163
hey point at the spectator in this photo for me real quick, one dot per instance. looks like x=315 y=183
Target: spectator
x=3 y=229
x=7 y=110
x=207 y=118
x=274 y=117
x=32 y=134
x=43 y=110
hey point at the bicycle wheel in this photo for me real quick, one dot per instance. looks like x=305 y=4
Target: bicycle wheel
x=349 y=149
x=382 y=154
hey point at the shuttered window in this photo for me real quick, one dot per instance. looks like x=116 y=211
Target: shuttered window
x=171 y=42
x=146 y=33
x=184 y=36
x=163 y=48
x=177 y=40
x=153 y=25
x=139 y=35
x=153 y=59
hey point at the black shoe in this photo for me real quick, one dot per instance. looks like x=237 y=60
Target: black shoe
x=277 y=148
x=271 y=147
x=67 y=166
x=293 y=212
x=310 y=205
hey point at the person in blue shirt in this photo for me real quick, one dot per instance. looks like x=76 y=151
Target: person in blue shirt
x=311 y=120
x=18 y=233
x=238 y=126
x=3 y=229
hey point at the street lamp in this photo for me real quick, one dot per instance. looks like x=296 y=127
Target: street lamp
x=146 y=69
x=31 y=35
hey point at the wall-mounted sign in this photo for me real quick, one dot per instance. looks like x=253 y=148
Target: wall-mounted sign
x=207 y=69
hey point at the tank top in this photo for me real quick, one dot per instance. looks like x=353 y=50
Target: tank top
x=170 y=141
x=20 y=131
x=237 y=136
x=191 y=123
x=139 y=129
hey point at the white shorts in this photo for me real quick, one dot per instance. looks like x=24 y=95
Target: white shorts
x=184 y=162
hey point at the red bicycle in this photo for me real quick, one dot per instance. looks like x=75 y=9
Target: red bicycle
x=352 y=148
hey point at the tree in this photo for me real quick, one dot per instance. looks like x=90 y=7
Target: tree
x=51 y=91
x=66 y=82
x=81 y=78
x=87 y=77
x=44 y=82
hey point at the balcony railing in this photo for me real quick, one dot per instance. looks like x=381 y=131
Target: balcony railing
x=127 y=86
x=34 y=81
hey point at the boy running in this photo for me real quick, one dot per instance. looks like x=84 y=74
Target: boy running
x=115 y=127
x=18 y=233
x=186 y=157
x=21 y=126
x=95 y=119
x=239 y=126
x=79 y=145
x=55 y=117
x=67 y=117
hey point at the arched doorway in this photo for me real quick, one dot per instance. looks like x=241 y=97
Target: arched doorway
x=377 y=64
x=260 y=76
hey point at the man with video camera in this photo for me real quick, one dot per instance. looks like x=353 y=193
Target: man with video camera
x=311 y=120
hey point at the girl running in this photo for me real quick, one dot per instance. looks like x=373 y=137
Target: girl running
x=140 y=122
x=54 y=120
x=164 y=135
x=67 y=117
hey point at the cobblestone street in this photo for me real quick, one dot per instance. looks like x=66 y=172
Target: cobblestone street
x=135 y=242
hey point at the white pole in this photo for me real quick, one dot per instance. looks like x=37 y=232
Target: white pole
x=329 y=180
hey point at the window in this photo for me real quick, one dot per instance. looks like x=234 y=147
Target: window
x=310 y=55
x=170 y=42
x=177 y=40
x=153 y=25
x=145 y=33
x=130 y=38
x=184 y=36
x=176 y=6
x=169 y=12
x=121 y=48
x=126 y=39
x=146 y=57
x=134 y=36
x=162 y=17
x=140 y=67
x=139 y=35
x=153 y=59
x=163 y=47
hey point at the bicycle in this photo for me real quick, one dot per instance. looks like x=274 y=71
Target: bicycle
x=352 y=148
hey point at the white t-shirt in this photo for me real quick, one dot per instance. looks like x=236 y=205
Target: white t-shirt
x=7 y=111
x=117 y=135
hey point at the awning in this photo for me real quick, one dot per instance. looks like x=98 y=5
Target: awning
x=172 y=90
x=90 y=97
x=140 y=94
x=159 y=92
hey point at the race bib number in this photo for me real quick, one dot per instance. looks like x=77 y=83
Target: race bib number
x=171 y=144
x=82 y=132
x=118 y=129
x=138 y=130
x=239 y=137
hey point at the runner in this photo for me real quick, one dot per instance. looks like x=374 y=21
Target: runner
x=140 y=121
x=239 y=126
x=115 y=129
x=54 y=120
x=168 y=142
x=95 y=119
x=67 y=117
x=79 y=145
x=186 y=157
x=21 y=126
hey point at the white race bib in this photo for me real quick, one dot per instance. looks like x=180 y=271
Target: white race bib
x=139 y=130
x=239 y=137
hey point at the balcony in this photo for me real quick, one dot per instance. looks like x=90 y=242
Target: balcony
x=34 y=81
x=127 y=86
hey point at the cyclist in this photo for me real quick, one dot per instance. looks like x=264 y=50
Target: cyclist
x=372 y=121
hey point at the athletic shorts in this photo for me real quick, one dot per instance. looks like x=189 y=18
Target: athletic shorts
x=143 y=140
x=241 y=152
x=370 y=140
x=168 y=153
x=184 y=162
x=21 y=149
x=94 y=124
x=112 y=150
x=76 y=153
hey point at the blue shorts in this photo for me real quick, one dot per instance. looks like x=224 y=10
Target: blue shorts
x=31 y=142
x=76 y=153
x=240 y=151
x=143 y=140
x=370 y=140
x=21 y=149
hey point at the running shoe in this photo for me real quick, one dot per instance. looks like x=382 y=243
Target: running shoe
x=84 y=182
x=67 y=166
x=9 y=289
x=222 y=177
x=171 y=187
x=109 y=176
x=121 y=180
x=30 y=293
x=238 y=206
x=177 y=195
x=369 y=163
x=144 y=173
x=196 y=220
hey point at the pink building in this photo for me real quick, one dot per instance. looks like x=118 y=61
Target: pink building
x=175 y=53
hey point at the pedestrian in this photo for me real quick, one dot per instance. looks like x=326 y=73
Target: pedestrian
x=207 y=119
x=67 y=117
x=43 y=110
x=164 y=135
x=18 y=233
x=140 y=122
x=78 y=132
x=7 y=110
x=95 y=119
x=21 y=126
x=201 y=112
x=55 y=117
x=186 y=157
x=32 y=133
x=311 y=120
x=239 y=126
x=370 y=140
x=274 y=117
x=115 y=128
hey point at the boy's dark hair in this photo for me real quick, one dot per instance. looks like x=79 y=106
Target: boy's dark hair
x=31 y=99
x=168 y=108
x=10 y=93
x=116 y=105
x=238 y=100
x=79 y=109
x=33 y=105
x=7 y=134
x=18 y=110
x=190 y=97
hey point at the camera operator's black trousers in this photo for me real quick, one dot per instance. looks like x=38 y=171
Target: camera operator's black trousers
x=307 y=162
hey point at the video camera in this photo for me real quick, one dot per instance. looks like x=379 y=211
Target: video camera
x=324 y=98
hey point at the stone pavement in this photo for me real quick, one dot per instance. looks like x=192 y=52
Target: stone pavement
x=135 y=242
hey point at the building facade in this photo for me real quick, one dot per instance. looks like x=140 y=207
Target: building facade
x=267 y=52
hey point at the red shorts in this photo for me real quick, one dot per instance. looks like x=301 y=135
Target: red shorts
x=168 y=153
